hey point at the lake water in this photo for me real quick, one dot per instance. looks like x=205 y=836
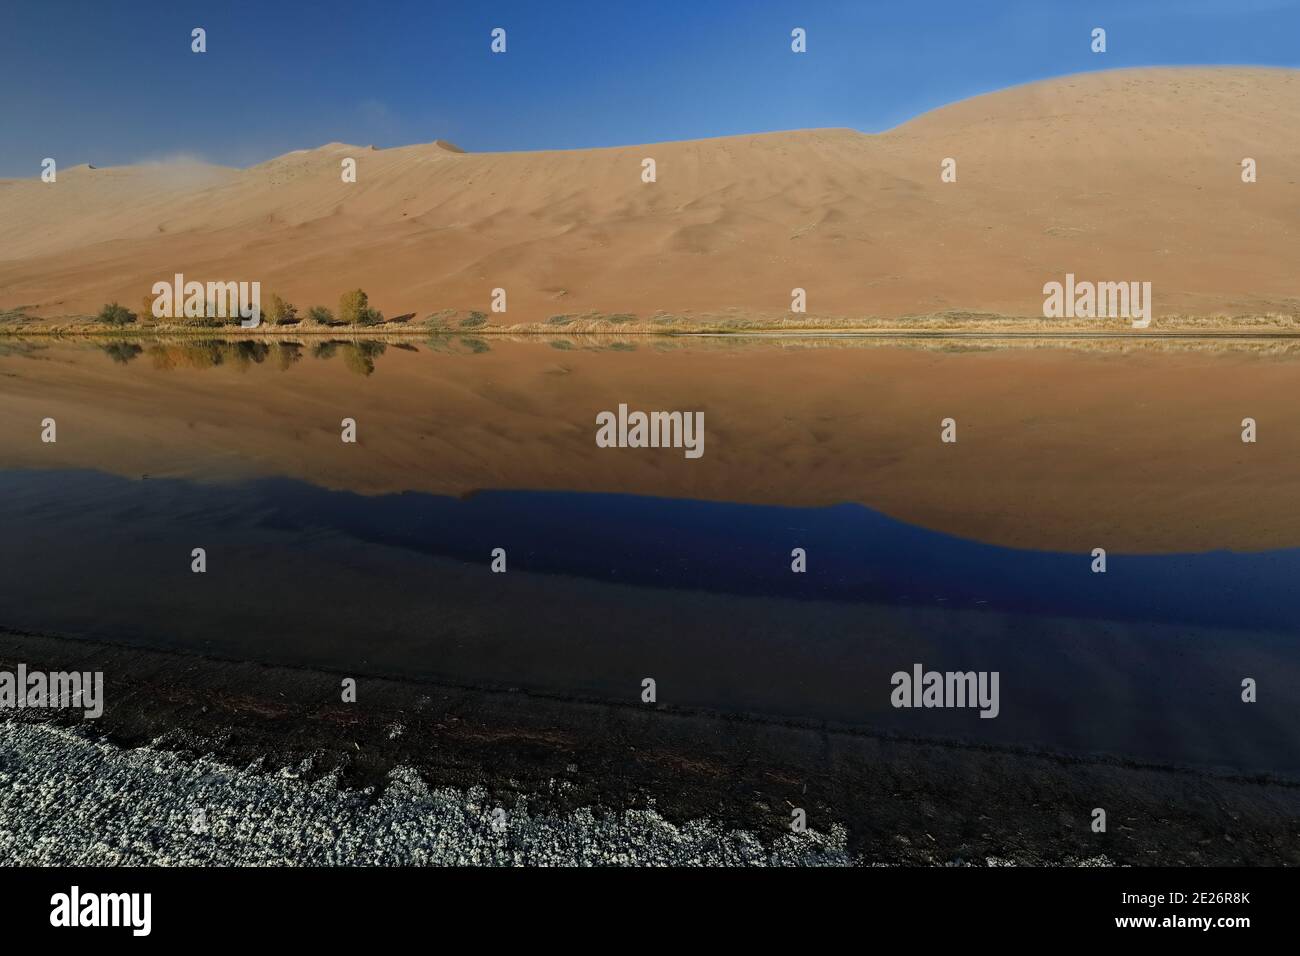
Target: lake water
x=625 y=563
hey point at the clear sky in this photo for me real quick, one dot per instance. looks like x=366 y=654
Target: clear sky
x=115 y=82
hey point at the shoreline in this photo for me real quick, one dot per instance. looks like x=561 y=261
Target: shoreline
x=373 y=333
x=955 y=324
x=203 y=812
x=678 y=787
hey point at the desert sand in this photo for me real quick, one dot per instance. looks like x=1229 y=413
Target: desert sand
x=1123 y=175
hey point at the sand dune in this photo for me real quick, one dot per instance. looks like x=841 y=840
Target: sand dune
x=1132 y=174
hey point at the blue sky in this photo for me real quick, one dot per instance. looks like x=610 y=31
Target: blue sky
x=115 y=82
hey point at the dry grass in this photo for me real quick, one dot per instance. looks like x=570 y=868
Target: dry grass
x=451 y=322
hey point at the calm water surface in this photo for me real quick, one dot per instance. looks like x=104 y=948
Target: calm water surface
x=379 y=564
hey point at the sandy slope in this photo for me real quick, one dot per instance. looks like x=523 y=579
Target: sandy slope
x=1131 y=174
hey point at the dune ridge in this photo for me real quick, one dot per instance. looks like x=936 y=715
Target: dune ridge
x=1122 y=175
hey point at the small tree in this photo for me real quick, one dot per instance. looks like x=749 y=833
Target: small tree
x=114 y=314
x=320 y=315
x=353 y=307
x=280 y=312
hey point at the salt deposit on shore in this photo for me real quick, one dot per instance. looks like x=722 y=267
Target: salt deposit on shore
x=68 y=800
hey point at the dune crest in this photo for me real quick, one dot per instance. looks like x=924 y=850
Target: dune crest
x=1124 y=175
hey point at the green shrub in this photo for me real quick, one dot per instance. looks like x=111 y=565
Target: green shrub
x=114 y=314
x=280 y=312
x=320 y=315
x=473 y=320
x=234 y=318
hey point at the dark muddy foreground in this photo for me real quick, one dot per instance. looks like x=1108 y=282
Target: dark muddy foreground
x=900 y=801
